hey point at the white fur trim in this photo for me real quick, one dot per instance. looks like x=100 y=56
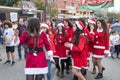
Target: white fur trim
x=106 y=51
x=79 y=26
x=91 y=21
x=92 y=32
x=56 y=56
x=84 y=67
x=99 y=30
x=99 y=47
x=71 y=46
x=88 y=58
x=36 y=70
x=44 y=25
x=62 y=58
x=76 y=67
x=50 y=53
x=98 y=56
x=60 y=24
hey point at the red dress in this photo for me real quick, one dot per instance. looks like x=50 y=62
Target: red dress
x=79 y=54
x=90 y=44
x=36 y=64
x=52 y=44
x=101 y=44
x=59 y=47
x=69 y=32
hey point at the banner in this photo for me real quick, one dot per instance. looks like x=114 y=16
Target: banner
x=28 y=7
x=95 y=4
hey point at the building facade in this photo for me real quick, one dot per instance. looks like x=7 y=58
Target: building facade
x=70 y=9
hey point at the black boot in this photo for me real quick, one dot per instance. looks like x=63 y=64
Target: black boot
x=75 y=78
x=103 y=69
x=99 y=76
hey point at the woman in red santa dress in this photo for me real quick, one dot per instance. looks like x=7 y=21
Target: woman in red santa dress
x=91 y=27
x=100 y=45
x=60 y=54
x=78 y=52
x=69 y=31
x=36 y=60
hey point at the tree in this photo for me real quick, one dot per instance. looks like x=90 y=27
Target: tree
x=50 y=8
x=8 y=2
x=113 y=16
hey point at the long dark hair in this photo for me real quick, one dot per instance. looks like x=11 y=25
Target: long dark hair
x=63 y=33
x=88 y=27
x=83 y=21
x=76 y=36
x=34 y=28
x=104 y=26
x=69 y=23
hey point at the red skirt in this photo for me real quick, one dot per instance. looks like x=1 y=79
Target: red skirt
x=36 y=64
x=79 y=63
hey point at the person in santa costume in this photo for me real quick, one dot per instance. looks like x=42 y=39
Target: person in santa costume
x=60 y=54
x=92 y=28
x=69 y=32
x=44 y=27
x=100 y=46
x=78 y=51
x=35 y=39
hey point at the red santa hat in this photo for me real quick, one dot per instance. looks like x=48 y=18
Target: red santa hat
x=44 y=25
x=91 y=21
x=60 y=24
x=80 y=25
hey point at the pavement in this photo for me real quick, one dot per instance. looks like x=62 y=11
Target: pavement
x=16 y=72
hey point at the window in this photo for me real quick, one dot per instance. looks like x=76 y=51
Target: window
x=72 y=4
x=64 y=3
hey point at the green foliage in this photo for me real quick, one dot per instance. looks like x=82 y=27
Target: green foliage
x=7 y=2
x=40 y=5
x=113 y=16
x=50 y=9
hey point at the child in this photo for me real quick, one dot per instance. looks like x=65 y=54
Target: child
x=9 y=42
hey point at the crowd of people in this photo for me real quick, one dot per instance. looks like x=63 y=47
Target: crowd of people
x=67 y=44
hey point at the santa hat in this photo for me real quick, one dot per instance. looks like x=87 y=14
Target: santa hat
x=91 y=21
x=79 y=24
x=44 y=25
x=60 y=24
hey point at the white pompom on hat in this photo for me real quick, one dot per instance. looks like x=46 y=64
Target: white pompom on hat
x=60 y=24
x=44 y=25
x=79 y=24
x=91 y=21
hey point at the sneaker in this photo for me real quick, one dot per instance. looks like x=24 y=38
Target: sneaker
x=112 y=57
x=7 y=62
x=13 y=62
x=0 y=59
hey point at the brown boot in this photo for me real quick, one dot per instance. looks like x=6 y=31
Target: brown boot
x=57 y=73
x=61 y=75
x=94 y=71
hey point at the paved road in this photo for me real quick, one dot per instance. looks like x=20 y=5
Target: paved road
x=16 y=72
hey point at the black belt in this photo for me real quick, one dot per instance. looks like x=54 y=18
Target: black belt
x=35 y=50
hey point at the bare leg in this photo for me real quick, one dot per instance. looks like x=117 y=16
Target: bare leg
x=78 y=74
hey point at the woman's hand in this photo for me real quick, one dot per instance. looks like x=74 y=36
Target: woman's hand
x=52 y=60
x=106 y=55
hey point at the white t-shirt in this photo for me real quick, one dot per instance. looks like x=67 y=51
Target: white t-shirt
x=114 y=39
x=9 y=35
